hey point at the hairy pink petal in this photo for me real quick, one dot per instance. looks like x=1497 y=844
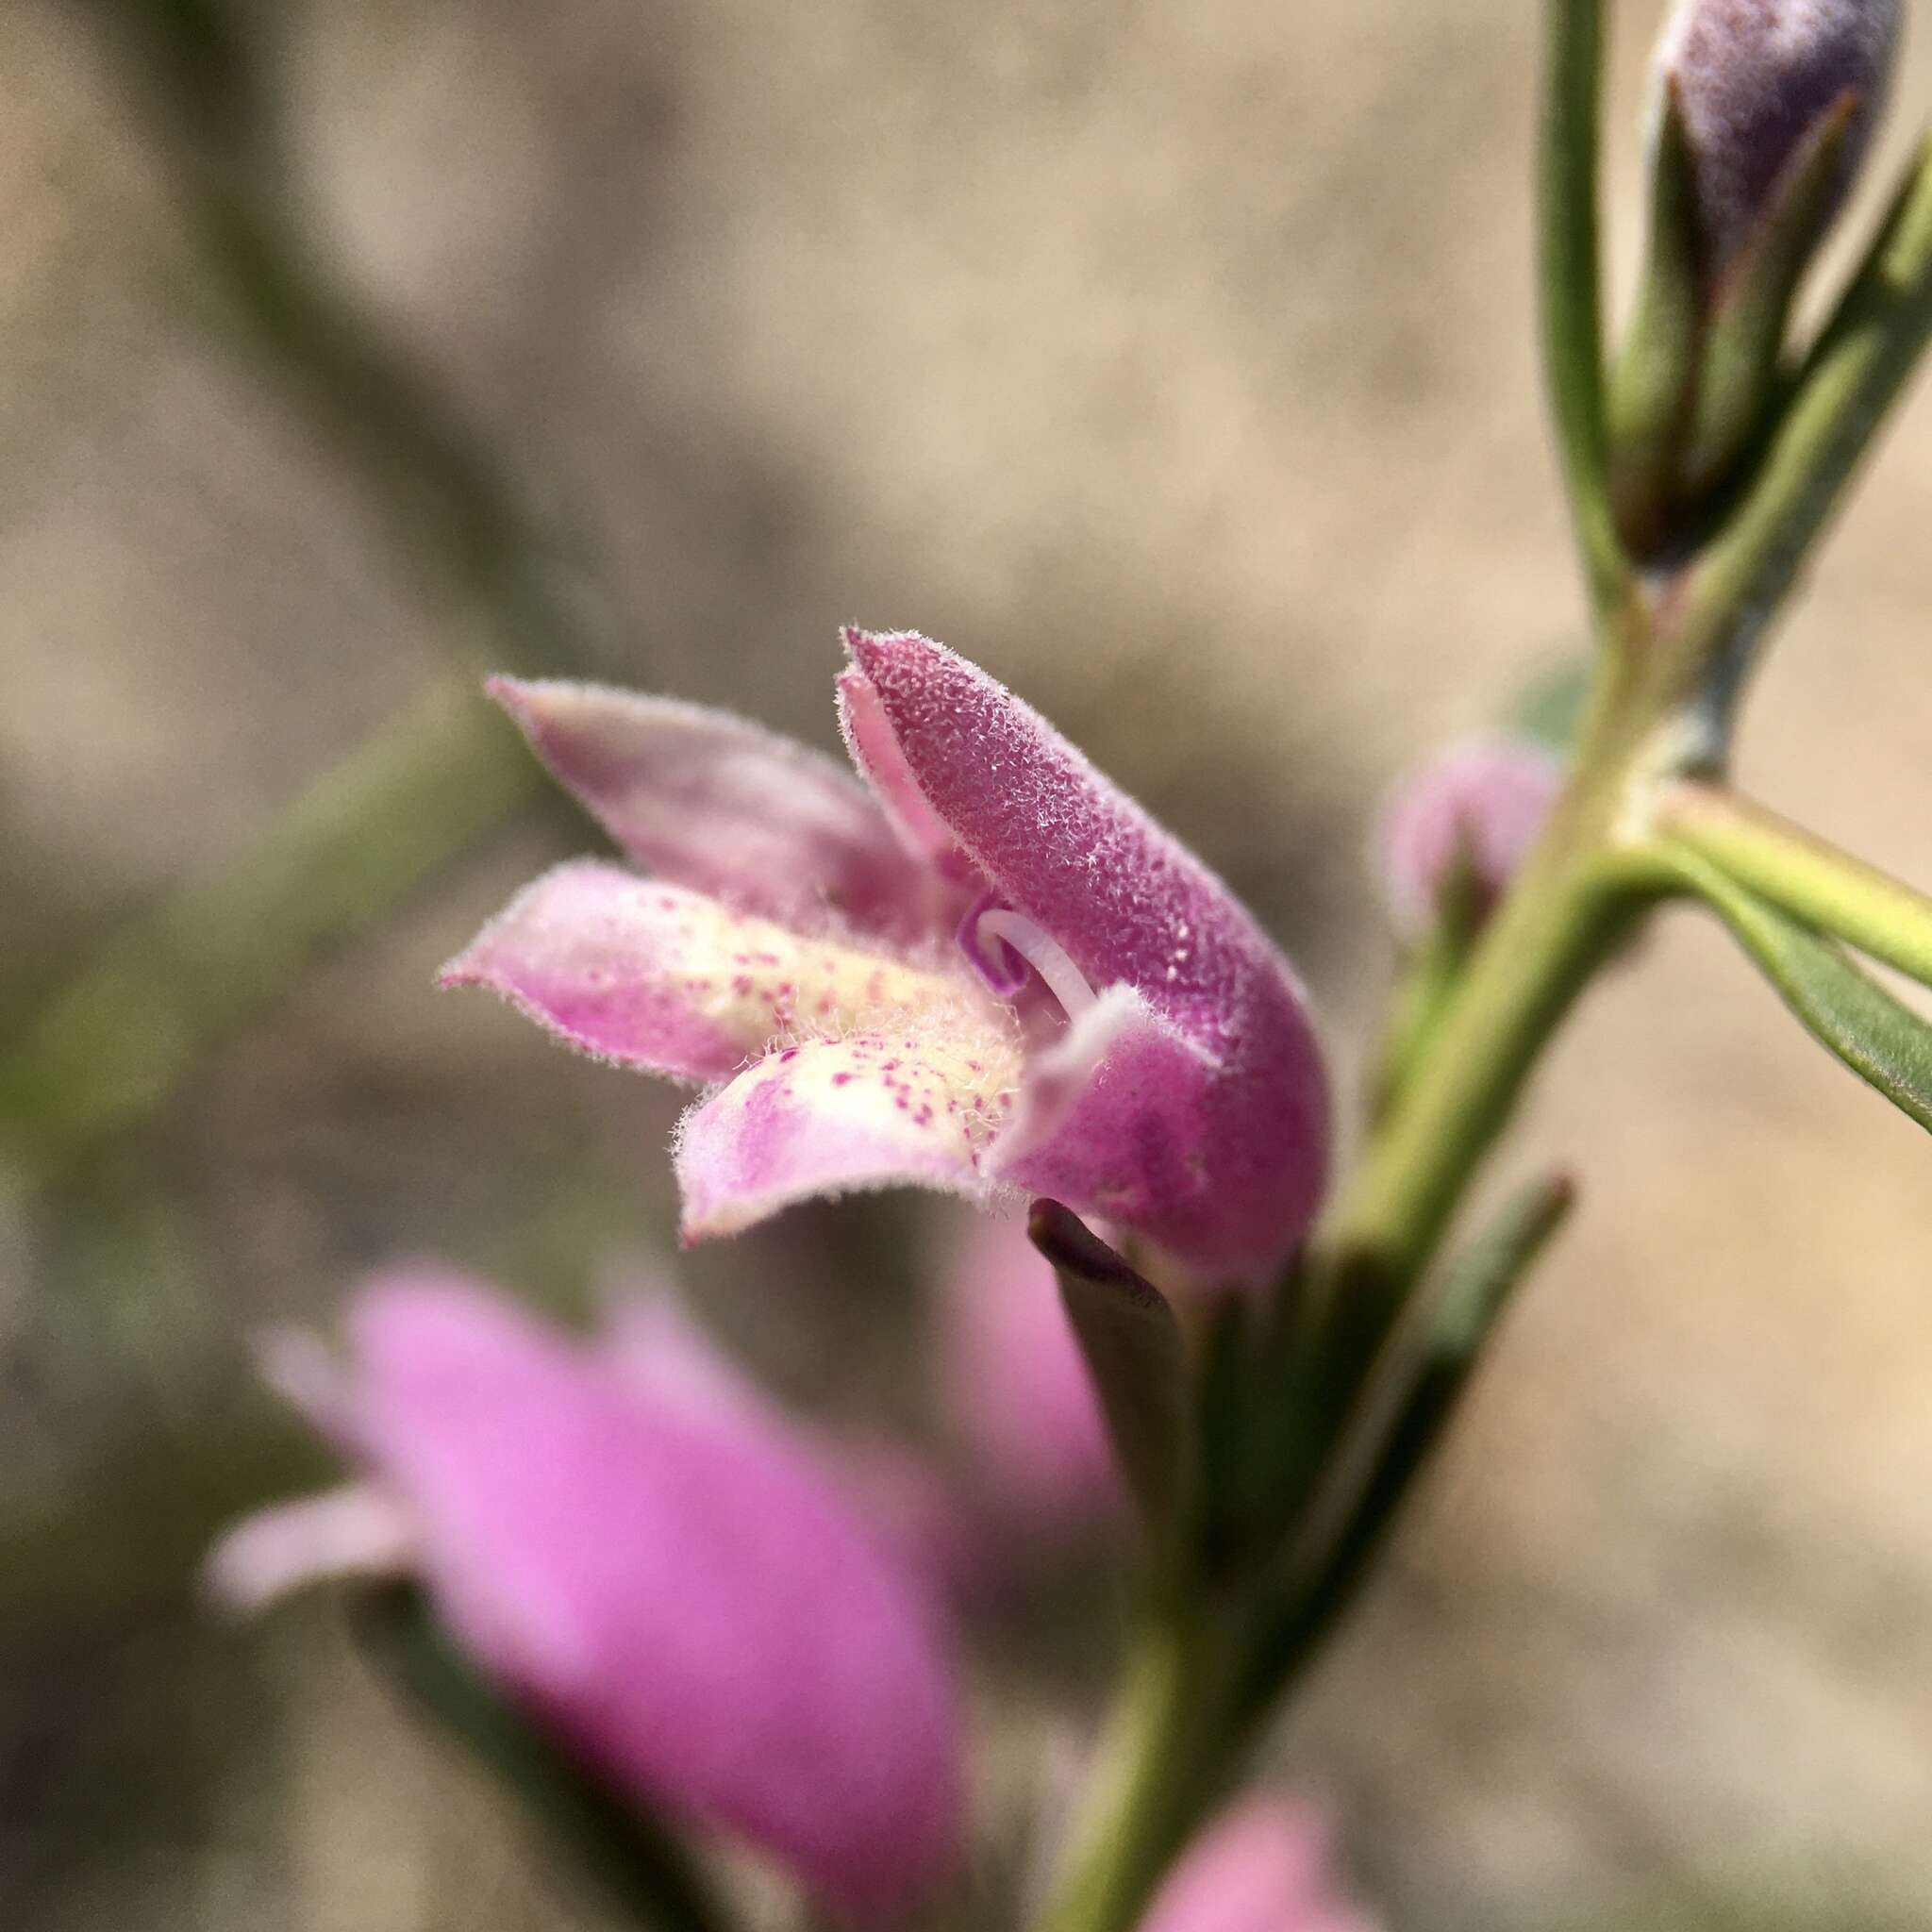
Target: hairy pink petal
x=1126 y=1118
x=711 y=801
x=869 y=1110
x=1261 y=1867
x=874 y=749
x=1016 y=1384
x=669 y=1578
x=1480 y=803
x=652 y=975
x=1131 y=907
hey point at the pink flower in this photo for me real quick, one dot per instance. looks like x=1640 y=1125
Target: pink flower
x=650 y=1560
x=1017 y=1391
x=989 y=971
x=1263 y=1866
x=1480 y=803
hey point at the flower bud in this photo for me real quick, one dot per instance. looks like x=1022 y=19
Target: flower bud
x=1762 y=112
x=650 y=1562
x=1457 y=830
x=1756 y=80
x=1263 y=1866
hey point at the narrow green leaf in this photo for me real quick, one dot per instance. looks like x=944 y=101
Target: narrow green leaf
x=1653 y=388
x=1883 y=1041
x=1374 y=1475
x=1133 y=1348
x=1482 y=1278
x=632 y=1857
x=1569 y=279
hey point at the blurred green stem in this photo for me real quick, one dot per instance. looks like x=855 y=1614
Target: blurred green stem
x=135 y=1020
x=1569 y=284
x=119 y=1036
x=1807 y=877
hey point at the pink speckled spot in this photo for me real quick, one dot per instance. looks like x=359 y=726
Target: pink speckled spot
x=867 y=1111
x=657 y=976
x=1482 y=803
x=707 y=800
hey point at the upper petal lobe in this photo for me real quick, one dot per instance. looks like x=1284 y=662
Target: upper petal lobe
x=1130 y=907
x=709 y=800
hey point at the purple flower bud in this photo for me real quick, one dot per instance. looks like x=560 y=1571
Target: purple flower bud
x=1479 y=805
x=652 y=1562
x=1263 y=1866
x=1755 y=79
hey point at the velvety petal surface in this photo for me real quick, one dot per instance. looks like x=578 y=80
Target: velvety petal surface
x=1128 y=906
x=656 y=977
x=713 y=801
x=922 y=1104
x=668 y=1574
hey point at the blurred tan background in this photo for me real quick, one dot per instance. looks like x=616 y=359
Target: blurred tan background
x=1172 y=361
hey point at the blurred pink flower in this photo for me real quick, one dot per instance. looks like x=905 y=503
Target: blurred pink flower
x=1480 y=803
x=990 y=970
x=1016 y=1390
x=648 y=1559
x=1263 y=1866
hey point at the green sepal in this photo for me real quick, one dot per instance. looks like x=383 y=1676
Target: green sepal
x=1406 y=1418
x=1751 y=309
x=1882 y=1041
x=1652 y=386
x=631 y=1856
x=1133 y=1353
x=1431 y=972
x=1483 y=1277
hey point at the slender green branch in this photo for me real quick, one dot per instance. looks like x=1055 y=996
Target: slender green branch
x=133 y=1021
x=1568 y=278
x=115 y=1040
x=1851 y=379
x=1804 y=874
x=1163 y=1766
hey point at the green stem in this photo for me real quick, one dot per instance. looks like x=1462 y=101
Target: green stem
x=1808 y=878
x=1163 y=1766
x=1569 y=275
x=1564 y=915
x=113 y=1041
